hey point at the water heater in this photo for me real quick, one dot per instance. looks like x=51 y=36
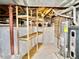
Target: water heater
x=74 y=42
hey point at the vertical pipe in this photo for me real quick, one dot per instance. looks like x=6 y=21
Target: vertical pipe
x=17 y=26
x=74 y=16
x=28 y=31
x=11 y=29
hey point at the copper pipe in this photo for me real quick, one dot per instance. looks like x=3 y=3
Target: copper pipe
x=11 y=29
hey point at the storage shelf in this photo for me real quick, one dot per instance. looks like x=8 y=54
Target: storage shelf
x=32 y=51
x=25 y=16
x=32 y=35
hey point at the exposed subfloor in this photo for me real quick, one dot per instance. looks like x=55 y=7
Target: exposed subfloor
x=48 y=51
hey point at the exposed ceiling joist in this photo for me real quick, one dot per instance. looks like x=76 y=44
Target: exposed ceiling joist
x=48 y=12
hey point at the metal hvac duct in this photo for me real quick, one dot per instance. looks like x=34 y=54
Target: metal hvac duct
x=42 y=3
x=14 y=2
x=65 y=1
x=70 y=3
x=72 y=8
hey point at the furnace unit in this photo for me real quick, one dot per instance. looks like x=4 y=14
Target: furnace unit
x=73 y=42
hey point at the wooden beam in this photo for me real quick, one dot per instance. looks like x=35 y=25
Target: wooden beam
x=25 y=16
x=47 y=12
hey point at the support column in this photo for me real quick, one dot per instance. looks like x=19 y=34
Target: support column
x=17 y=28
x=11 y=29
x=37 y=27
x=27 y=12
x=43 y=28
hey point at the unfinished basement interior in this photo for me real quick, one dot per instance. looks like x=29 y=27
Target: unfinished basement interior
x=39 y=29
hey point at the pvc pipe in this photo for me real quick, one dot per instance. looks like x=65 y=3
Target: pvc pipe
x=74 y=16
x=11 y=29
x=70 y=3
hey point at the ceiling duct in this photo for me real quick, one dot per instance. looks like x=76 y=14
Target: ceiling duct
x=67 y=10
x=76 y=2
x=65 y=1
x=70 y=3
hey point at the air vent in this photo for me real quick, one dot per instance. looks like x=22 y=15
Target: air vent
x=72 y=54
x=73 y=34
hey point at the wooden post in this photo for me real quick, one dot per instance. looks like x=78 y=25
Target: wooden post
x=11 y=29
x=37 y=27
x=31 y=22
x=43 y=28
x=17 y=27
x=31 y=27
x=28 y=31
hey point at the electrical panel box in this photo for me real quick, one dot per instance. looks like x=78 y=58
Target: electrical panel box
x=73 y=42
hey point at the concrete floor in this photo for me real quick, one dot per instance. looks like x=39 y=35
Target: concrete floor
x=48 y=51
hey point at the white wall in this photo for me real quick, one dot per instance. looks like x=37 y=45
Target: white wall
x=48 y=36
x=5 y=42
